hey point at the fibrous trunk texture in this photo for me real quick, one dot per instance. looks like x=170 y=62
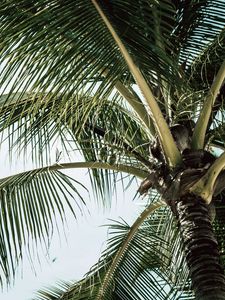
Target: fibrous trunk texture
x=201 y=248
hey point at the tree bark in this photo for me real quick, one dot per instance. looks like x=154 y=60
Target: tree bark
x=201 y=248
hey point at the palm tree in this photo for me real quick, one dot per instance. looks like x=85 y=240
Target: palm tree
x=70 y=70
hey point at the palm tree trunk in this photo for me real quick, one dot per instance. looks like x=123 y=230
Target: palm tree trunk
x=201 y=248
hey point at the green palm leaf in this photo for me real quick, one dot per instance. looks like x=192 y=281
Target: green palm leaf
x=147 y=268
x=31 y=203
x=108 y=133
x=68 y=57
x=81 y=115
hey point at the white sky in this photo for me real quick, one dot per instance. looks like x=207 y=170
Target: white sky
x=85 y=239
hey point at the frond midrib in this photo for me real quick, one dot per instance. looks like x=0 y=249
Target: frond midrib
x=120 y=253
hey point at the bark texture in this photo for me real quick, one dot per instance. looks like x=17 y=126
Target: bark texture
x=201 y=248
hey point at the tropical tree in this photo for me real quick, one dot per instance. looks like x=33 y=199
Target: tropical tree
x=70 y=71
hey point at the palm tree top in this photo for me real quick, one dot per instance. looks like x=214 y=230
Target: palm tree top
x=70 y=72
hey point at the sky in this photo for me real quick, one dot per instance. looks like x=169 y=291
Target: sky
x=69 y=257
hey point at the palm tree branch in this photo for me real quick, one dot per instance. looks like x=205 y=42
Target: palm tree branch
x=101 y=132
x=63 y=117
x=153 y=256
x=198 y=138
x=165 y=136
x=31 y=202
x=204 y=187
x=89 y=165
x=111 y=130
x=137 y=105
x=109 y=274
x=131 y=98
x=45 y=188
x=204 y=20
x=160 y=44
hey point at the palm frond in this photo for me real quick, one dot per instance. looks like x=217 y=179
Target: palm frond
x=54 y=292
x=45 y=52
x=206 y=65
x=72 y=47
x=31 y=203
x=202 y=73
x=80 y=115
x=108 y=133
x=204 y=21
x=168 y=144
x=198 y=139
x=152 y=265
